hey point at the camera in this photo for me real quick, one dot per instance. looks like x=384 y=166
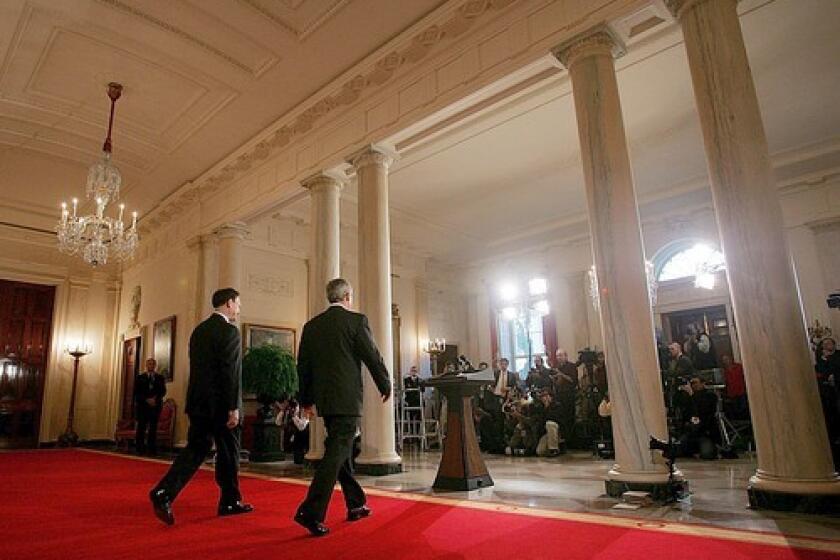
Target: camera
x=833 y=300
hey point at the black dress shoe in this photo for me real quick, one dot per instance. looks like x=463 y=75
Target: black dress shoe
x=316 y=528
x=162 y=506
x=357 y=513
x=235 y=508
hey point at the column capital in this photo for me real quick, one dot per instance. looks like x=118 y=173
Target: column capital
x=599 y=40
x=371 y=155
x=197 y=242
x=679 y=7
x=232 y=230
x=320 y=181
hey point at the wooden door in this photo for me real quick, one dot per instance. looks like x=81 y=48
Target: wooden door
x=25 y=326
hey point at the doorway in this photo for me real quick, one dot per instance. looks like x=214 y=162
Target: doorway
x=713 y=320
x=25 y=326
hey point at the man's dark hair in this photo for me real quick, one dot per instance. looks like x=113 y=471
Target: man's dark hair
x=221 y=297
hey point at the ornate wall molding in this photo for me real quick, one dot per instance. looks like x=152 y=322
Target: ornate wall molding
x=454 y=52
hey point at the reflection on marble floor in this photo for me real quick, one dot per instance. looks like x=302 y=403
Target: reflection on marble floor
x=574 y=482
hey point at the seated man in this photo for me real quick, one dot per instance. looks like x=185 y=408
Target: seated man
x=705 y=405
x=547 y=419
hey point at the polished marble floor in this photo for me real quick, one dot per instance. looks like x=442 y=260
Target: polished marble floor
x=574 y=483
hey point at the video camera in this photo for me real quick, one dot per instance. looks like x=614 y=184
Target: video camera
x=677 y=488
x=587 y=356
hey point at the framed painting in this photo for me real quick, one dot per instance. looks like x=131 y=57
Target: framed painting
x=257 y=335
x=163 y=346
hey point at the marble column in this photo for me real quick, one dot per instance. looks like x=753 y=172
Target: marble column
x=627 y=323
x=230 y=237
x=206 y=275
x=378 y=455
x=795 y=469
x=324 y=264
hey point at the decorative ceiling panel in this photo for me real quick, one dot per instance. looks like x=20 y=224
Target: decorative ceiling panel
x=298 y=17
x=56 y=74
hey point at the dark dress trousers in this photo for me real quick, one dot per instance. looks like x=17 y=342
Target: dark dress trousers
x=214 y=390
x=148 y=385
x=333 y=347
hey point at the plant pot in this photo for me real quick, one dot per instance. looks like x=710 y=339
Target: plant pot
x=268 y=437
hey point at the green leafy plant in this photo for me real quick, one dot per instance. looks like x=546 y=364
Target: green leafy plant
x=269 y=372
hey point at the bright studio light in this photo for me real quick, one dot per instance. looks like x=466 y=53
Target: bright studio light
x=537 y=286
x=705 y=280
x=542 y=307
x=509 y=313
x=508 y=291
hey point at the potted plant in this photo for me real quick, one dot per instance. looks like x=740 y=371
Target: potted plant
x=270 y=373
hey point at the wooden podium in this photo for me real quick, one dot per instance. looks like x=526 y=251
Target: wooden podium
x=461 y=466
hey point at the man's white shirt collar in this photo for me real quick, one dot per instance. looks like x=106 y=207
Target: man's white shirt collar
x=223 y=316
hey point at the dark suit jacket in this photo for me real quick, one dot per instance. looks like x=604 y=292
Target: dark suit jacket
x=215 y=369
x=332 y=348
x=146 y=388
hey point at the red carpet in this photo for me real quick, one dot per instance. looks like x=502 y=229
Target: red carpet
x=77 y=504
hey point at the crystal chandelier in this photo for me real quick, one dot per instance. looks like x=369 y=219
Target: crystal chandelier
x=97 y=236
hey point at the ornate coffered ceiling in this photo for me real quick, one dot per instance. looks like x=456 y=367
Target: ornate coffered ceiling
x=201 y=77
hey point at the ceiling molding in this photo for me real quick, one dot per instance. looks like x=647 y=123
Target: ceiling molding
x=409 y=49
x=189 y=37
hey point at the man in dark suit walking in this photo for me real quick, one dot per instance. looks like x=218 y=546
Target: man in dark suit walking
x=332 y=347
x=149 y=390
x=214 y=402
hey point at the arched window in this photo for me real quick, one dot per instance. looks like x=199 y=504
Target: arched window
x=689 y=262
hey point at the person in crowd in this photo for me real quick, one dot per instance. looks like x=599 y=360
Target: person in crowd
x=827 y=368
x=505 y=380
x=295 y=424
x=519 y=424
x=547 y=417
x=333 y=346
x=489 y=420
x=565 y=385
x=411 y=386
x=705 y=407
x=736 y=388
x=703 y=354
x=600 y=372
x=214 y=402
x=605 y=414
x=680 y=364
x=149 y=390
x=539 y=377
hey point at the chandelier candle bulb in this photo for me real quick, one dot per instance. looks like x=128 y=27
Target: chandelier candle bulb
x=119 y=219
x=134 y=220
x=75 y=203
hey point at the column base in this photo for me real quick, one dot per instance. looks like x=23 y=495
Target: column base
x=378 y=469
x=659 y=486
x=659 y=491
x=801 y=496
x=827 y=504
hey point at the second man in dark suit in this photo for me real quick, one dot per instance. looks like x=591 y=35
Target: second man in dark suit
x=214 y=402
x=149 y=390
x=332 y=348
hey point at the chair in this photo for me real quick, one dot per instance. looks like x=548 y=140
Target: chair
x=126 y=429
